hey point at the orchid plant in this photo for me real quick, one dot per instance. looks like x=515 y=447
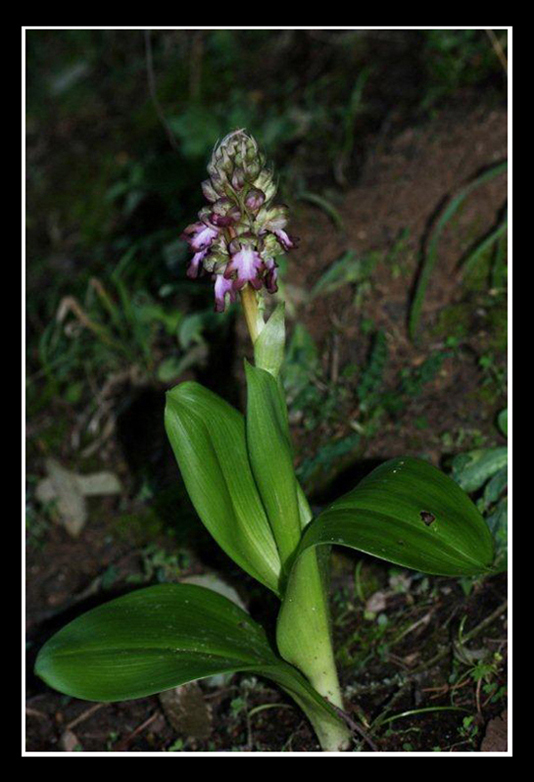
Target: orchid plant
x=239 y=473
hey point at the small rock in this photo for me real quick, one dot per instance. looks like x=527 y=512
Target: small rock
x=376 y=603
x=69 y=742
x=187 y=711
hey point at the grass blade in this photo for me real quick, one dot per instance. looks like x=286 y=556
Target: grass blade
x=430 y=257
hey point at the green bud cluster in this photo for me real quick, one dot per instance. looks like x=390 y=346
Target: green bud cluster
x=237 y=167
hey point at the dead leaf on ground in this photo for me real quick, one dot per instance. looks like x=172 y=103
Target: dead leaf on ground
x=69 y=489
x=496 y=738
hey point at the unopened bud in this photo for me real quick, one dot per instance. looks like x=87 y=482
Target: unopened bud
x=238 y=179
x=255 y=199
x=209 y=191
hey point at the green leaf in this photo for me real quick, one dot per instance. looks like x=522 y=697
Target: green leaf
x=347 y=269
x=324 y=204
x=301 y=361
x=496 y=486
x=471 y=470
x=173 y=366
x=502 y=422
x=192 y=328
x=271 y=459
x=409 y=513
x=208 y=439
x=151 y=640
x=406 y=512
x=158 y=638
x=482 y=247
x=431 y=255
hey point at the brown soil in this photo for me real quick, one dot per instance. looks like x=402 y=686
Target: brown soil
x=404 y=184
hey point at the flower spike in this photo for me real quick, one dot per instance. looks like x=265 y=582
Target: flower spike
x=240 y=233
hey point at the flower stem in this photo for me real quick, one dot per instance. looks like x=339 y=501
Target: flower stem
x=255 y=322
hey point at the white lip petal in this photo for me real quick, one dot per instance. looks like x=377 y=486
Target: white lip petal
x=247 y=263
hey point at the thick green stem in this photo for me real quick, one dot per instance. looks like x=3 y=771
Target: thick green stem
x=333 y=734
x=304 y=634
x=253 y=317
x=331 y=731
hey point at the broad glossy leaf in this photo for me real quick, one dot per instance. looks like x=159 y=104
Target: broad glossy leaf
x=163 y=636
x=406 y=512
x=208 y=439
x=151 y=640
x=410 y=513
x=271 y=459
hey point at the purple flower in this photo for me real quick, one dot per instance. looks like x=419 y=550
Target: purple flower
x=224 y=213
x=247 y=264
x=238 y=179
x=254 y=199
x=286 y=241
x=240 y=232
x=200 y=236
x=222 y=221
x=273 y=218
x=194 y=266
x=272 y=275
x=222 y=287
